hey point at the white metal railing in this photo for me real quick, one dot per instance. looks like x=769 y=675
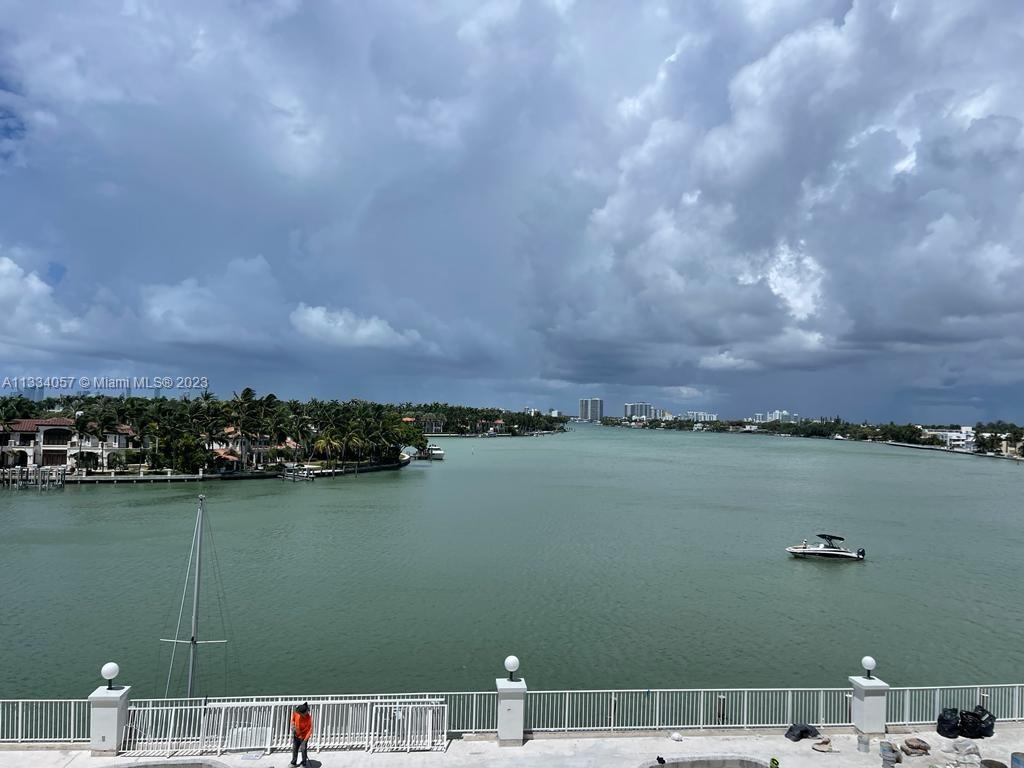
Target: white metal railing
x=39 y=720
x=914 y=706
x=655 y=709
x=468 y=712
x=341 y=721
x=193 y=727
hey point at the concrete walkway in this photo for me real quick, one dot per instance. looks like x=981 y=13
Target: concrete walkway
x=618 y=752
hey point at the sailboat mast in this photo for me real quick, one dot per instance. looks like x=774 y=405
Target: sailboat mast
x=192 y=646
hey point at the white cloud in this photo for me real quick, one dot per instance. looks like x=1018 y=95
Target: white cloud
x=684 y=393
x=435 y=123
x=30 y=313
x=237 y=304
x=725 y=361
x=795 y=277
x=344 y=328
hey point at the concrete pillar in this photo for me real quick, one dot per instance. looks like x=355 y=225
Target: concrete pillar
x=108 y=713
x=868 y=705
x=511 y=711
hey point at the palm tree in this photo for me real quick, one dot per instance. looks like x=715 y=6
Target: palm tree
x=82 y=429
x=352 y=441
x=241 y=411
x=103 y=424
x=327 y=444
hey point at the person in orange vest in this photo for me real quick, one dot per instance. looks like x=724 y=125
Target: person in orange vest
x=302 y=729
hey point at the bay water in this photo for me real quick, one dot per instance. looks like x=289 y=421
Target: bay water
x=603 y=558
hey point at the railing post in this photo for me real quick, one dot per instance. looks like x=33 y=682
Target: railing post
x=108 y=713
x=869 y=698
x=566 y=727
x=369 y=731
x=511 y=711
x=20 y=720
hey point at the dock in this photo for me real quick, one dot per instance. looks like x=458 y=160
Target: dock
x=47 y=478
x=38 y=478
x=151 y=478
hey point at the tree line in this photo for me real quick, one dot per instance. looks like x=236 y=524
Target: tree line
x=179 y=433
x=986 y=436
x=465 y=420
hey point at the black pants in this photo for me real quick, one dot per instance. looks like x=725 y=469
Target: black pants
x=296 y=743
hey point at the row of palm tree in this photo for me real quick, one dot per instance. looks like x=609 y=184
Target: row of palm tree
x=180 y=433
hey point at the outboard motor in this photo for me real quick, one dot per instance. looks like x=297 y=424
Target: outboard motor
x=861 y=553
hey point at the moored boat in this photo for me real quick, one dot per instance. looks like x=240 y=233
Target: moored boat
x=828 y=549
x=433 y=452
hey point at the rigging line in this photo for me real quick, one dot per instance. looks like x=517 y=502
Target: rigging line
x=221 y=596
x=181 y=611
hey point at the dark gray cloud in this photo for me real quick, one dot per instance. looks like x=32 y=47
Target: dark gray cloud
x=744 y=205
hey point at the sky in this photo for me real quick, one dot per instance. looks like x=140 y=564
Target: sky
x=734 y=206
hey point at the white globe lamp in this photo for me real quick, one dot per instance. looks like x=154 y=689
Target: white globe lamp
x=868 y=662
x=109 y=671
x=511 y=665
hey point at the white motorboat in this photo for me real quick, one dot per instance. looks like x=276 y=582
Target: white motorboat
x=435 y=452
x=828 y=549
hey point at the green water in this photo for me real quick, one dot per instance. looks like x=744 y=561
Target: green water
x=604 y=558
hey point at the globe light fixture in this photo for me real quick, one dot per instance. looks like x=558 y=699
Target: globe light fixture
x=109 y=671
x=511 y=665
x=868 y=663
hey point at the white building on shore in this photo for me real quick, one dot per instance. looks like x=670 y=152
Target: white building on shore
x=955 y=439
x=55 y=442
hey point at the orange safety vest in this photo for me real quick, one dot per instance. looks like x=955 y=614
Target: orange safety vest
x=302 y=725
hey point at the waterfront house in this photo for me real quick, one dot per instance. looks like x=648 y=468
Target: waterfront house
x=253 y=447
x=431 y=423
x=487 y=427
x=955 y=439
x=54 y=442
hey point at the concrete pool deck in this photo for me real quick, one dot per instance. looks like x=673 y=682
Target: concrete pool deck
x=571 y=752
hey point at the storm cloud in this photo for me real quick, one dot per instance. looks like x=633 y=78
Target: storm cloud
x=735 y=206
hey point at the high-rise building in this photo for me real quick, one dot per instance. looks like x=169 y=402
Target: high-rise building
x=640 y=411
x=701 y=416
x=591 y=409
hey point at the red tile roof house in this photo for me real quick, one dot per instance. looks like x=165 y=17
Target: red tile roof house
x=53 y=442
x=231 y=443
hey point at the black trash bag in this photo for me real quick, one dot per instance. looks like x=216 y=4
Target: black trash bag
x=948 y=724
x=799 y=731
x=988 y=721
x=970 y=725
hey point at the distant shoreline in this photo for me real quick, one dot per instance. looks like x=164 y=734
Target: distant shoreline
x=942 y=449
x=765 y=433
x=503 y=434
